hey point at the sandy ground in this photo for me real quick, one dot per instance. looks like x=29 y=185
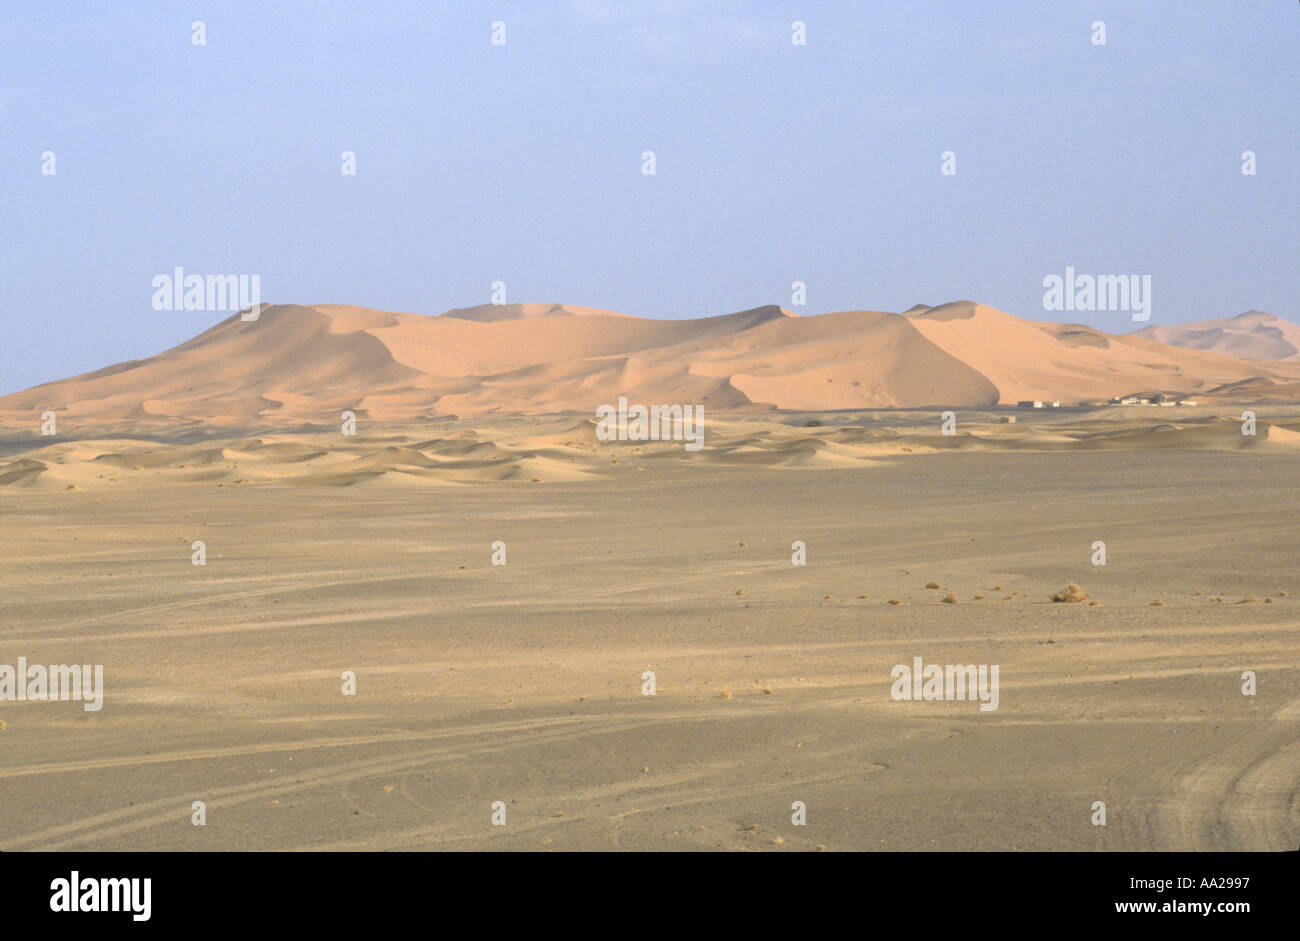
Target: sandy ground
x=522 y=683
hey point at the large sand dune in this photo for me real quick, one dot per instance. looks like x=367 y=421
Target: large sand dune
x=298 y=365
x=1252 y=335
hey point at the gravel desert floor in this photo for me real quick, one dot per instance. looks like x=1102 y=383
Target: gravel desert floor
x=353 y=668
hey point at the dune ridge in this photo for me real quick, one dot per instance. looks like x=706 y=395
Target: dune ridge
x=302 y=365
x=531 y=450
x=1253 y=334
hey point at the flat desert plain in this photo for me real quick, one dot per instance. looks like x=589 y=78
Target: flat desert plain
x=523 y=683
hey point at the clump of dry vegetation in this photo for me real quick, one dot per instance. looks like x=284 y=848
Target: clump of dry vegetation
x=1070 y=593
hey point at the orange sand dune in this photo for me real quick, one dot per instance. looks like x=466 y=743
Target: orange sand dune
x=1073 y=363
x=1252 y=335
x=304 y=366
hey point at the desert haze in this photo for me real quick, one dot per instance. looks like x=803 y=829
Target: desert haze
x=499 y=578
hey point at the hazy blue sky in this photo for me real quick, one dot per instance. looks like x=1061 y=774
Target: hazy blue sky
x=775 y=162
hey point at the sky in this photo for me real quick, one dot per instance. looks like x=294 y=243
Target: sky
x=522 y=163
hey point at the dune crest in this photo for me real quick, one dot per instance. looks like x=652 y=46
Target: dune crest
x=1250 y=335
x=299 y=366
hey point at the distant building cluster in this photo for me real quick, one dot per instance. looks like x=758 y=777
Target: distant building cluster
x=1158 y=399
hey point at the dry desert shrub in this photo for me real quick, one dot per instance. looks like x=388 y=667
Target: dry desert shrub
x=1070 y=593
